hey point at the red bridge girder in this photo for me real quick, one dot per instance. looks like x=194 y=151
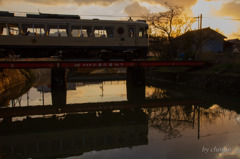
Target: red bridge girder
x=95 y=64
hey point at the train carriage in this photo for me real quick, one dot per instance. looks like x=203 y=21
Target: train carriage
x=38 y=35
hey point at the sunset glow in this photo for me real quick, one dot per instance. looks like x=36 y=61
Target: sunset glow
x=221 y=14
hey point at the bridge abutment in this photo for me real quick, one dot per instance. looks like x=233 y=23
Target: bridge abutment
x=136 y=75
x=135 y=84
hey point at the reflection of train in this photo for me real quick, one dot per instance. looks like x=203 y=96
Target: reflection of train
x=73 y=135
x=51 y=34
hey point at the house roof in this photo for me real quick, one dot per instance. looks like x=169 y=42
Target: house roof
x=234 y=41
x=205 y=32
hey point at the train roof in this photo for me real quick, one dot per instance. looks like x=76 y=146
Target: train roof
x=58 y=18
x=53 y=16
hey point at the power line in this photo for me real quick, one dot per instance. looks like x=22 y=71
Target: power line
x=86 y=15
x=135 y=16
x=222 y=18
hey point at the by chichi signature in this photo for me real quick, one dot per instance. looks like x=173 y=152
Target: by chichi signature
x=216 y=149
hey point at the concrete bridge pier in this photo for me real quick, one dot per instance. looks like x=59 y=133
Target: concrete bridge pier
x=136 y=84
x=58 y=87
x=136 y=75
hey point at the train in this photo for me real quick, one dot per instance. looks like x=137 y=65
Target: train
x=43 y=35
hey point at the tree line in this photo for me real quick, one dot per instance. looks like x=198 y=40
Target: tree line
x=165 y=27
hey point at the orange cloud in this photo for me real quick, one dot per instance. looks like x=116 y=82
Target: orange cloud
x=48 y=2
x=183 y=3
x=96 y=2
x=135 y=9
x=63 y=2
x=38 y=2
x=230 y=9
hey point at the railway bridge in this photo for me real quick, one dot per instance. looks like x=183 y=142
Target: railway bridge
x=96 y=64
x=135 y=74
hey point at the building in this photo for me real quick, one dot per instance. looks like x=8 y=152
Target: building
x=205 y=40
x=232 y=46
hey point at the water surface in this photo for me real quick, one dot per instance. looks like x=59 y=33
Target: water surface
x=155 y=121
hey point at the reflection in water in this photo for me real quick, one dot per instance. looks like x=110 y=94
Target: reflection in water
x=119 y=119
x=172 y=120
x=13 y=99
x=72 y=134
x=81 y=133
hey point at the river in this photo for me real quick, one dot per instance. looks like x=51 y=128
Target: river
x=115 y=119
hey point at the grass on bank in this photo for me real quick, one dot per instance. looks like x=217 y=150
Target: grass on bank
x=225 y=69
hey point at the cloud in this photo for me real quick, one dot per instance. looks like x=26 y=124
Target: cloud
x=230 y=9
x=186 y=4
x=96 y=2
x=64 y=2
x=135 y=9
x=183 y=3
x=47 y=2
x=37 y=2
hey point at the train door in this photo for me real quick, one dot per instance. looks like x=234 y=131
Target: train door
x=131 y=36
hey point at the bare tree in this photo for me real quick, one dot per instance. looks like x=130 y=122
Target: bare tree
x=237 y=34
x=169 y=24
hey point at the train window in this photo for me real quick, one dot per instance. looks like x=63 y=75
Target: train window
x=58 y=31
x=131 y=32
x=1 y=29
x=100 y=31
x=146 y=32
x=33 y=30
x=141 y=32
x=110 y=32
x=81 y=31
x=9 y=29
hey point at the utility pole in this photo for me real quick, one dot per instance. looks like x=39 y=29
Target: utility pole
x=198 y=22
x=199 y=120
x=199 y=42
x=101 y=87
x=27 y=98
x=43 y=95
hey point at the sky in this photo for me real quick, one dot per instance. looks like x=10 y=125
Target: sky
x=217 y=14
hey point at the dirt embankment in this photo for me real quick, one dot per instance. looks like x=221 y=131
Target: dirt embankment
x=10 y=78
x=216 y=83
x=222 y=78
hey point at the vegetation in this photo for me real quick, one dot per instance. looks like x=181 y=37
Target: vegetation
x=230 y=69
x=11 y=78
x=237 y=34
x=27 y=73
x=165 y=26
x=173 y=120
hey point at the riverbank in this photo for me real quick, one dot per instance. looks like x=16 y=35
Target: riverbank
x=10 y=78
x=223 y=78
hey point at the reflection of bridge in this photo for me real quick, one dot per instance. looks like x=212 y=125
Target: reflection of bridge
x=72 y=135
x=135 y=83
x=49 y=109
x=95 y=64
x=97 y=77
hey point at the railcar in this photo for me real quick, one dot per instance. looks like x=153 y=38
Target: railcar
x=39 y=35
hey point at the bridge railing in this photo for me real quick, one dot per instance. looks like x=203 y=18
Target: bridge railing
x=96 y=64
